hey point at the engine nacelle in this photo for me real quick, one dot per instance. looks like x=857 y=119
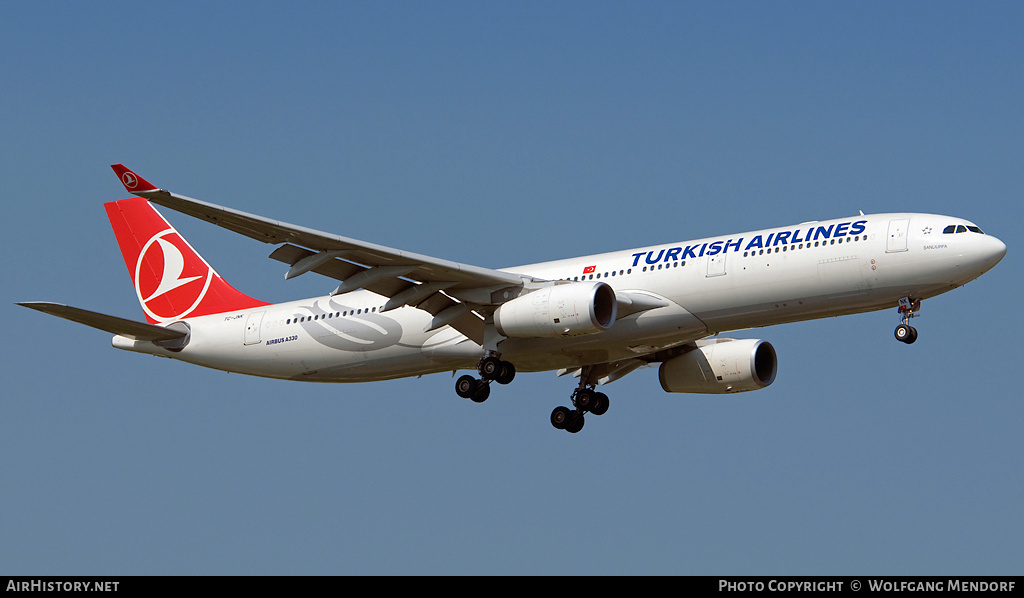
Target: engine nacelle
x=725 y=366
x=572 y=309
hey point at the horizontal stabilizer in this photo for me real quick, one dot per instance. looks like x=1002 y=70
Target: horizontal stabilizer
x=112 y=324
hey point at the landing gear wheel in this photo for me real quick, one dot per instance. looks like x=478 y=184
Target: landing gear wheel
x=490 y=367
x=585 y=399
x=506 y=373
x=575 y=423
x=465 y=386
x=481 y=392
x=560 y=417
x=906 y=333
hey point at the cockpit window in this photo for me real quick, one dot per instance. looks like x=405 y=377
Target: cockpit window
x=959 y=228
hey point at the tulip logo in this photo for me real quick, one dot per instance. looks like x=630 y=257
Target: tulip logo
x=167 y=286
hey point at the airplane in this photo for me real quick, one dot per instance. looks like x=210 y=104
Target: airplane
x=398 y=314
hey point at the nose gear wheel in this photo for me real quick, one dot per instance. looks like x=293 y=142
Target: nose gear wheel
x=905 y=333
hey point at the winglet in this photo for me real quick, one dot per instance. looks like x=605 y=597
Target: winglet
x=131 y=181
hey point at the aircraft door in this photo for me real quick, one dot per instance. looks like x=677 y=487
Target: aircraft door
x=252 y=327
x=716 y=265
x=897 y=239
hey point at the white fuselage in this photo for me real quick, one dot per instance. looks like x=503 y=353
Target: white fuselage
x=712 y=285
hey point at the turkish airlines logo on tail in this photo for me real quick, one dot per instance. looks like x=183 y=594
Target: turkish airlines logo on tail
x=166 y=284
x=130 y=180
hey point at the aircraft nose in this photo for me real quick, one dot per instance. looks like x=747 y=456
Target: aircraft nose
x=991 y=252
x=996 y=250
x=979 y=254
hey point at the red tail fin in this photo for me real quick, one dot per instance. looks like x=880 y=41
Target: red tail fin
x=171 y=279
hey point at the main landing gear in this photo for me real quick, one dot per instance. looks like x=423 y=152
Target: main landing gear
x=584 y=399
x=905 y=333
x=491 y=368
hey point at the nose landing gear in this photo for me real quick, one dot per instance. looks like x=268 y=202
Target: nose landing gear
x=905 y=333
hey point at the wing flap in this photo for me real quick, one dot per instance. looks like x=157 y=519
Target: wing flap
x=332 y=268
x=342 y=270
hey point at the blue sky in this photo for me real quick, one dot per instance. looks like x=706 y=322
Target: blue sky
x=501 y=134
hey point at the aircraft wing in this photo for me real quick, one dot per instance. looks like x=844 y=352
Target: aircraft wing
x=112 y=324
x=448 y=290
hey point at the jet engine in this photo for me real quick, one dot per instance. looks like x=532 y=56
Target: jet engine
x=571 y=309
x=721 y=366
